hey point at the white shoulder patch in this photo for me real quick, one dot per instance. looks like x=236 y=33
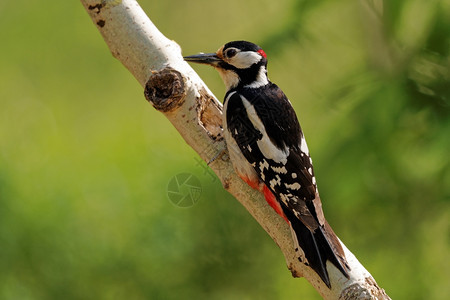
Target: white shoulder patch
x=268 y=149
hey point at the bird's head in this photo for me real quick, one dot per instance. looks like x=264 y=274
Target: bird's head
x=240 y=64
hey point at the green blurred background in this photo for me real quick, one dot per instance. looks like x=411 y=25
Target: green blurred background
x=85 y=161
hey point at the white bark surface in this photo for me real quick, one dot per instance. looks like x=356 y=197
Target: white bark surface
x=173 y=88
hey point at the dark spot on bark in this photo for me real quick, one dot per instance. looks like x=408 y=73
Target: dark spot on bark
x=165 y=89
x=225 y=156
x=97 y=7
x=371 y=281
x=101 y=23
x=226 y=183
x=294 y=272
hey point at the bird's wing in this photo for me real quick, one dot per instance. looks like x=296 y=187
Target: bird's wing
x=267 y=131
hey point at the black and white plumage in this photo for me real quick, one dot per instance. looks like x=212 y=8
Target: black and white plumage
x=269 y=152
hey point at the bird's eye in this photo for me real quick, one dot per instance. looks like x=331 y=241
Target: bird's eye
x=230 y=53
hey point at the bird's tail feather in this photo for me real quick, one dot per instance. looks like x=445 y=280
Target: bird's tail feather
x=318 y=247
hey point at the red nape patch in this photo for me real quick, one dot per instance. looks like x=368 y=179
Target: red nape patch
x=263 y=54
x=270 y=198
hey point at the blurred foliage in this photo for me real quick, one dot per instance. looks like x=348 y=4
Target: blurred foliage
x=84 y=212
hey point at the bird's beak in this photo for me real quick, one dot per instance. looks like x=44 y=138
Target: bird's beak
x=204 y=58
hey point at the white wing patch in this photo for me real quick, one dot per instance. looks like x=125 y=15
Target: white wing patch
x=304 y=146
x=281 y=170
x=275 y=181
x=268 y=149
x=286 y=198
x=294 y=186
x=263 y=165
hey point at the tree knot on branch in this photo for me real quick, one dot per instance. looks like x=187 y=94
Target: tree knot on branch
x=165 y=89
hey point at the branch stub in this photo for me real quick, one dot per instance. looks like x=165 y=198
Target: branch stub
x=165 y=89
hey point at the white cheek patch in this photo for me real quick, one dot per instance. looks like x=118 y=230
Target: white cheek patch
x=244 y=59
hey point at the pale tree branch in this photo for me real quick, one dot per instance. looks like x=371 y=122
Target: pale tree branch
x=174 y=89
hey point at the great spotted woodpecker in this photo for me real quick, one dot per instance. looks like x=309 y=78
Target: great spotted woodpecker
x=269 y=152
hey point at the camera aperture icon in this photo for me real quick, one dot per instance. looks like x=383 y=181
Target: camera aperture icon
x=184 y=190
